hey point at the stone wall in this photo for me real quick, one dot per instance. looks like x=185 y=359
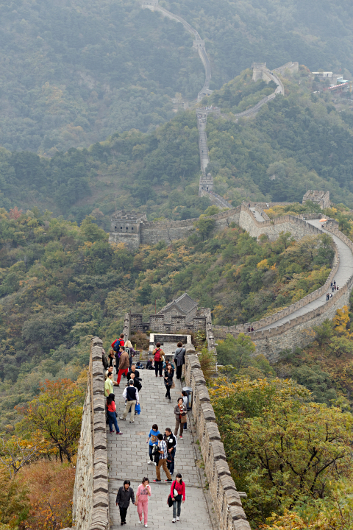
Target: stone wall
x=287 y=223
x=225 y=497
x=90 y=499
x=152 y=233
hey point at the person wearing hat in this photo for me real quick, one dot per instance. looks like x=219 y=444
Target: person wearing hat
x=131 y=396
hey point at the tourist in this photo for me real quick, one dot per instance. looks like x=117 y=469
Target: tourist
x=133 y=371
x=111 y=410
x=180 y=417
x=123 y=365
x=168 y=380
x=118 y=342
x=111 y=357
x=152 y=441
x=136 y=380
x=130 y=350
x=142 y=494
x=149 y=365
x=158 y=355
x=131 y=397
x=185 y=401
x=171 y=442
x=163 y=455
x=125 y=494
x=179 y=359
x=327 y=296
x=177 y=492
x=108 y=385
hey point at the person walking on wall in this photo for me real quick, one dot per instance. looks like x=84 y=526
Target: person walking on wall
x=158 y=355
x=180 y=417
x=177 y=492
x=125 y=494
x=171 y=442
x=185 y=400
x=130 y=350
x=168 y=380
x=142 y=494
x=131 y=397
x=179 y=359
x=123 y=365
x=163 y=455
x=111 y=409
x=111 y=357
x=152 y=441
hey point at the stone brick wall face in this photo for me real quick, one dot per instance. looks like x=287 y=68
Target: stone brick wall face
x=90 y=500
x=225 y=497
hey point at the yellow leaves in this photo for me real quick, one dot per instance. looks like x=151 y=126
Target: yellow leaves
x=262 y=265
x=341 y=320
x=117 y=247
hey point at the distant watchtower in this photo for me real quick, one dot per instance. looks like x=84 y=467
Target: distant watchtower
x=126 y=228
x=150 y=4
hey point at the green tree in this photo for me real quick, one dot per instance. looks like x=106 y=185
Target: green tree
x=56 y=413
x=236 y=352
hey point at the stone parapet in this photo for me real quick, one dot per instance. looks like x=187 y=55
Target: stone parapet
x=90 y=500
x=225 y=497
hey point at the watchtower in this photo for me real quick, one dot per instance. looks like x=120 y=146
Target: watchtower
x=258 y=71
x=126 y=228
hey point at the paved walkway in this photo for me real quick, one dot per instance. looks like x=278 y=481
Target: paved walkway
x=344 y=272
x=128 y=457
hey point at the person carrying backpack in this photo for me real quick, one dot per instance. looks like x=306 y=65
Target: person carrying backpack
x=158 y=355
x=118 y=342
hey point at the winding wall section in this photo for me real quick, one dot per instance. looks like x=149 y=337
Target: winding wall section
x=293 y=326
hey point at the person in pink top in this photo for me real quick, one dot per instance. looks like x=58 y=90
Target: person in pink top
x=143 y=492
x=177 y=493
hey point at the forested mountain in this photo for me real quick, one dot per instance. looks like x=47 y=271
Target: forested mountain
x=297 y=142
x=61 y=283
x=73 y=72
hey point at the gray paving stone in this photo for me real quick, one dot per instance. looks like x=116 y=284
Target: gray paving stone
x=128 y=457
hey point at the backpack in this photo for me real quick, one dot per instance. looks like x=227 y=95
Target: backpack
x=117 y=344
x=157 y=356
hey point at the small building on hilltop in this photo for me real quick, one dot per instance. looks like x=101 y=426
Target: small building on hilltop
x=183 y=306
x=182 y=313
x=126 y=228
x=322 y=198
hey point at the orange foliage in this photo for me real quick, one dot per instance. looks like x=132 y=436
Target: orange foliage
x=50 y=486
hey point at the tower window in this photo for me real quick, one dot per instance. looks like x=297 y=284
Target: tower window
x=132 y=228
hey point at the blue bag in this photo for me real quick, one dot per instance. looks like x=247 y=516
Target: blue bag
x=138 y=408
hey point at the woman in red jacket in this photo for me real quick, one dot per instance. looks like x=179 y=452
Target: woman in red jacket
x=177 y=492
x=112 y=414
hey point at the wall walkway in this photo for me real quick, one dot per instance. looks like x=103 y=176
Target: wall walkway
x=293 y=325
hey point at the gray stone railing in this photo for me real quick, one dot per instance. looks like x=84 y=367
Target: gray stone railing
x=225 y=497
x=90 y=499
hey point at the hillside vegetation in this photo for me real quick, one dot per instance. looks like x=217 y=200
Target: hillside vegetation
x=294 y=143
x=74 y=72
x=61 y=283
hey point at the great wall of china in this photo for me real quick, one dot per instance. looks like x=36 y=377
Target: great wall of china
x=96 y=471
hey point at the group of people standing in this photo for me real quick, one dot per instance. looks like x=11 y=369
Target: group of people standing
x=127 y=494
x=334 y=287
x=162 y=448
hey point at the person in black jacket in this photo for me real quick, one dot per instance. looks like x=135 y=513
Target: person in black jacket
x=168 y=379
x=179 y=359
x=125 y=494
x=171 y=448
x=133 y=371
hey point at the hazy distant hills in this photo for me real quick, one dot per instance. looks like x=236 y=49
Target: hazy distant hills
x=73 y=72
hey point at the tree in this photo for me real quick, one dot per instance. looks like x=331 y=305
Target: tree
x=14 y=504
x=237 y=351
x=16 y=453
x=281 y=448
x=57 y=413
x=205 y=226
